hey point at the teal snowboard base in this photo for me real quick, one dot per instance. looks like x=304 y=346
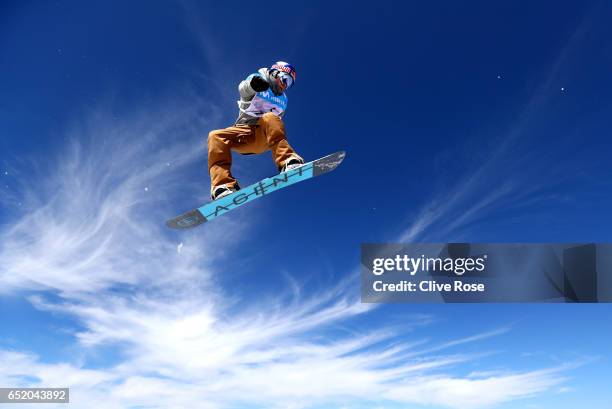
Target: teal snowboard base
x=223 y=205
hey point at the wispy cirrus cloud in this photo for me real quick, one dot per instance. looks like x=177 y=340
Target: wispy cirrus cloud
x=90 y=243
x=86 y=220
x=475 y=392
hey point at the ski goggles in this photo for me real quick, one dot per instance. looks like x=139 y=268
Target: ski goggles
x=283 y=79
x=286 y=79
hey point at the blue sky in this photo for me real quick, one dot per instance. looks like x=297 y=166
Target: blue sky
x=485 y=121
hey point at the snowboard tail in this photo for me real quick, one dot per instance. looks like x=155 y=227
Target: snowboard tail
x=245 y=195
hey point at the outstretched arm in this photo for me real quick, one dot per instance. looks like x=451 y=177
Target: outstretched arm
x=252 y=84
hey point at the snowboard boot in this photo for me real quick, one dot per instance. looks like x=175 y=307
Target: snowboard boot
x=292 y=163
x=222 y=191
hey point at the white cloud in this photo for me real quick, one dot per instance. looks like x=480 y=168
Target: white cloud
x=475 y=393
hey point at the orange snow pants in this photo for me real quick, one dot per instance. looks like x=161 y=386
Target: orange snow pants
x=267 y=134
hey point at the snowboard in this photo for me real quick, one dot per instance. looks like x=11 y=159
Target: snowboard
x=245 y=195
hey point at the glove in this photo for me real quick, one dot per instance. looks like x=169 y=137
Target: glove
x=259 y=84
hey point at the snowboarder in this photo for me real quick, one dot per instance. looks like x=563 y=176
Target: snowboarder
x=259 y=128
